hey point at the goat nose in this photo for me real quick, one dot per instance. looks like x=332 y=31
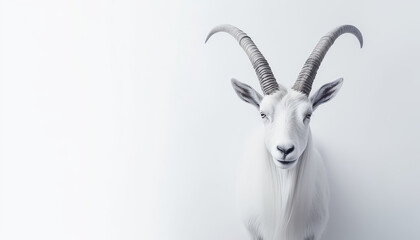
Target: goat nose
x=286 y=149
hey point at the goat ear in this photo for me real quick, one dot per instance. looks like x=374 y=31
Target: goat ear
x=326 y=92
x=247 y=93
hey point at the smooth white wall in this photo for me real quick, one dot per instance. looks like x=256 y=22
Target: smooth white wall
x=118 y=122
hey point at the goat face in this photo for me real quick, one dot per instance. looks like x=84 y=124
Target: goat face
x=286 y=115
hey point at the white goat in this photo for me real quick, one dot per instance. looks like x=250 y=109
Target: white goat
x=283 y=186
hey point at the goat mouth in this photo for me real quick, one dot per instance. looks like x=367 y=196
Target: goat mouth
x=286 y=162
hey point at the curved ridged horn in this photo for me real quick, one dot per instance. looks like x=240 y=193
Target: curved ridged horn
x=265 y=75
x=307 y=74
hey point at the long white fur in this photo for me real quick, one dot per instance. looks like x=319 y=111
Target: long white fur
x=277 y=203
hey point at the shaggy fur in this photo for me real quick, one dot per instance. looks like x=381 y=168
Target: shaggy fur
x=280 y=203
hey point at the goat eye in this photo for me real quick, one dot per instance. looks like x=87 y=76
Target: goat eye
x=263 y=115
x=308 y=116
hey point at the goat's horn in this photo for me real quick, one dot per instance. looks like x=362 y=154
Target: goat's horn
x=265 y=75
x=307 y=74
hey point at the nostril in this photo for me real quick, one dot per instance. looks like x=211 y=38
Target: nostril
x=290 y=150
x=280 y=149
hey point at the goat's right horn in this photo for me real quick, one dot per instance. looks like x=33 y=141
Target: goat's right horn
x=265 y=75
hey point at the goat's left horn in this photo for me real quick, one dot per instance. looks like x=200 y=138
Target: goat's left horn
x=265 y=75
x=307 y=74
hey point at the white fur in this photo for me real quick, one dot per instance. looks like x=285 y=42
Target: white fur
x=276 y=201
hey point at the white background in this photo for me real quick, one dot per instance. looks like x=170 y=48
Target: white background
x=118 y=122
